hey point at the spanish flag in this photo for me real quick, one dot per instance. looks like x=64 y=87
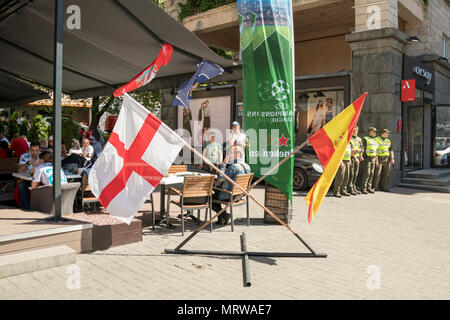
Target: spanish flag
x=330 y=143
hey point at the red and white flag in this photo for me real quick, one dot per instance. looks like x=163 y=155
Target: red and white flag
x=148 y=73
x=137 y=156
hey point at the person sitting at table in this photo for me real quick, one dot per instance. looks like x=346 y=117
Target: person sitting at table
x=43 y=174
x=73 y=160
x=238 y=167
x=5 y=152
x=44 y=145
x=19 y=145
x=75 y=147
x=27 y=164
x=63 y=151
x=50 y=144
x=97 y=142
x=87 y=150
x=28 y=160
x=3 y=138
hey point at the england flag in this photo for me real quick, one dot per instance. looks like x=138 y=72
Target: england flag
x=137 y=156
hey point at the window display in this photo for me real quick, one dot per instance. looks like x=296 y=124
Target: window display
x=315 y=109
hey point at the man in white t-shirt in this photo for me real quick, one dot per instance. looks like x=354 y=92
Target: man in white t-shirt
x=236 y=139
x=43 y=174
x=87 y=150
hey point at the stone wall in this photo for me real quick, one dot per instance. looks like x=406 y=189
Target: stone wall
x=386 y=10
x=377 y=68
x=435 y=25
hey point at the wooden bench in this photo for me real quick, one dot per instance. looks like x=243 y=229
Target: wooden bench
x=8 y=165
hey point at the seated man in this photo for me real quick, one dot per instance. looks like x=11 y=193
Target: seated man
x=87 y=150
x=27 y=163
x=238 y=167
x=43 y=174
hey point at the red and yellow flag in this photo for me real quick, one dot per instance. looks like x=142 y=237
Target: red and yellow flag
x=330 y=143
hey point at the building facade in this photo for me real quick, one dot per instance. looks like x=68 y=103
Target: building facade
x=346 y=47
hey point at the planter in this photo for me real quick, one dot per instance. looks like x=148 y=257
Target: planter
x=107 y=236
x=276 y=202
x=108 y=231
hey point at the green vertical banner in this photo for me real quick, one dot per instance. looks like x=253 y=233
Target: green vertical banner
x=267 y=43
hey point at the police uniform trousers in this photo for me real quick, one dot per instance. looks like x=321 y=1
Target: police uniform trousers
x=353 y=176
x=341 y=179
x=382 y=173
x=368 y=173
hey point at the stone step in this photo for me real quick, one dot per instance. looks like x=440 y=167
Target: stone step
x=440 y=182
x=40 y=259
x=429 y=174
x=445 y=189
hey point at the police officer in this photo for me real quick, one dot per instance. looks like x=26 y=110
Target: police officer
x=342 y=175
x=370 y=147
x=356 y=145
x=385 y=159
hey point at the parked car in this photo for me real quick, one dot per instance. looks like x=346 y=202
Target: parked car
x=307 y=169
x=442 y=157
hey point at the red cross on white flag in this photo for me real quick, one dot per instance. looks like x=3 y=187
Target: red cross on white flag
x=138 y=155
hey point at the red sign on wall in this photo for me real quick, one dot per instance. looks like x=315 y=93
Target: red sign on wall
x=408 y=90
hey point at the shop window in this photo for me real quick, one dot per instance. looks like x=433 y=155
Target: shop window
x=314 y=109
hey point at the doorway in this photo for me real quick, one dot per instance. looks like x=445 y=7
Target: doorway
x=413 y=145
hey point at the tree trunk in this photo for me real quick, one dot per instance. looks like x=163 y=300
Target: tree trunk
x=97 y=111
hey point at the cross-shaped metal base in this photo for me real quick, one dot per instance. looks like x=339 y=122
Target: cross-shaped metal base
x=246 y=254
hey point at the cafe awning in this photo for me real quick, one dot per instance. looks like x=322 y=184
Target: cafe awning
x=117 y=39
x=15 y=92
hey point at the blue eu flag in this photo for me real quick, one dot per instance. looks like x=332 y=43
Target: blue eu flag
x=206 y=70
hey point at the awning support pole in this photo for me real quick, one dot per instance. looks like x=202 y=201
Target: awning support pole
x=57 y=98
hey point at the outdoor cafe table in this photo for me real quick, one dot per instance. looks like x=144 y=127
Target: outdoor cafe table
x=30 y=178
x=176 y=179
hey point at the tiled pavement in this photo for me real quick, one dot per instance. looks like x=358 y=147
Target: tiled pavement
x=381 y=246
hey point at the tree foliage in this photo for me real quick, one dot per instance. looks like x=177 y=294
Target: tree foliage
x=38 y=129
x=23 y=128
x=70 y=130
x=13 y=127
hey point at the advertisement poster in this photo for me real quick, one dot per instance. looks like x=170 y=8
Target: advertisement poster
x=314 y=112
x=266 y=39
x=204 y=116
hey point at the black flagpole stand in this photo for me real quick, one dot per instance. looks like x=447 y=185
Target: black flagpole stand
x=244 y=253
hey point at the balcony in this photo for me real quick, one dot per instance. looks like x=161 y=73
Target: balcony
x=219 y=28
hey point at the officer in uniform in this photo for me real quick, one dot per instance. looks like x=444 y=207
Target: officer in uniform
x=356 y=145
x=370 y=147
x=342 y=175
x=385 y=159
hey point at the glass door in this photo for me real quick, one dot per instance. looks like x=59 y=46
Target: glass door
x=414 y=138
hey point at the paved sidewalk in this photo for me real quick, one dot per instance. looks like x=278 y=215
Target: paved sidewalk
x=382 y=246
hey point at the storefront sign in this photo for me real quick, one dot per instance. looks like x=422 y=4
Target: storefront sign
x=424 y=75
x=408 y=90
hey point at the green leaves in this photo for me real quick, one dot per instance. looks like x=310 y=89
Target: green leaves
x=38 y=130
x=13 y=126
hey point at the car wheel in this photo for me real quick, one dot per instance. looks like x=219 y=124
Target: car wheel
x=300 y=179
